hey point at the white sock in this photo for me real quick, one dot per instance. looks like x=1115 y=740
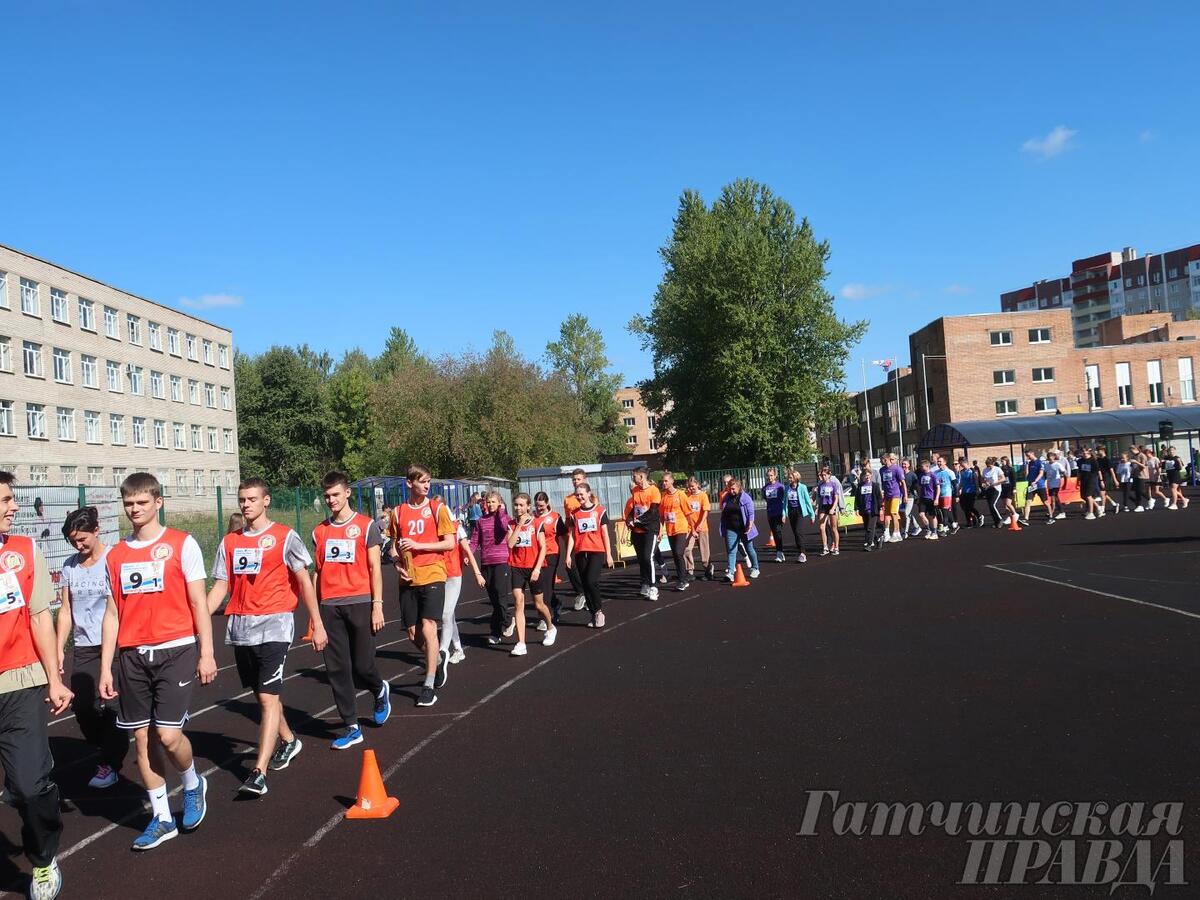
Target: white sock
x=191 y=780
x=158 y=804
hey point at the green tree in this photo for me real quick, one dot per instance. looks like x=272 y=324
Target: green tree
x=398 y=351
x=579 y=357
x=349 y=396
x=747 y=351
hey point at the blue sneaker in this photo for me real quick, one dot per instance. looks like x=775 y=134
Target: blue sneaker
x=194 y=806
x=383 y=704
x=156 y=832
x=352 y=736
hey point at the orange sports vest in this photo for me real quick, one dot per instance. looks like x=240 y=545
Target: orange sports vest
x=341 y=552
x=150 y=591
x=589 y=537
x=17 y=559
x=260 y=583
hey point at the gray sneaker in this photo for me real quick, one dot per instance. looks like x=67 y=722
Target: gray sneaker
x=255 y=783
x=46 y=883
x=284 y=754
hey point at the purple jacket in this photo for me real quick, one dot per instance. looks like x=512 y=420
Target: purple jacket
x=750 y=530
x=489 y=539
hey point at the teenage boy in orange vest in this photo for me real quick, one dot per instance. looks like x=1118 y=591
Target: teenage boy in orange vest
x=158 y=631
x=29 y=680
x=263 y=569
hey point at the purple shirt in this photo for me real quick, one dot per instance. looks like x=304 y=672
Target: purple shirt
x=829 y=493
x=891 y=479
x=929 y=485
x=489 y=539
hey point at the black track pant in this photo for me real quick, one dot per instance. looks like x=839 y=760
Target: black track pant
x=992 y=496
x=967 y=501
x=678 y=548
x=1128 y=493
x=497 y=580
x=870 y=523
x=796 y=521
x=350 y=656
x=97 y=722
x=776 y=523
x=590 y=564
x=644 y=545
x=25 y=755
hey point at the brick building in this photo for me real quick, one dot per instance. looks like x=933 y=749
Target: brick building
x=994 y=365
x=640 y=422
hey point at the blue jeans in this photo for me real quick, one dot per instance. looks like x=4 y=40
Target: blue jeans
x=732 y=539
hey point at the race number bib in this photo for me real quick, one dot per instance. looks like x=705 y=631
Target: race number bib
x=142 y=577
x=865 y=489
x=793 y=497
x=670 y=518
x=638 y=511
x=247 y=561
x=586 y=525
x=339 y=551
x=11 y=596
x=695 y=505
x=525 y=537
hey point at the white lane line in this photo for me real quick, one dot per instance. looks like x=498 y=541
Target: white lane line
x=1046 y=566
x=1078 y=587
x=338 y=817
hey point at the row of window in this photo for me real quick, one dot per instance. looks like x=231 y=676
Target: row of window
x=1154 y=383
x=652 y=441
x=1040 y=374
x=185 y=481
x=651 y=422
x=60 y=311
x=1040 y=404
x=62 y=369
x=143 y=429
x=1005 y=338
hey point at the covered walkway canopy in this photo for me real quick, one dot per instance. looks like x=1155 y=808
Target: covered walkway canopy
x=1019 y=430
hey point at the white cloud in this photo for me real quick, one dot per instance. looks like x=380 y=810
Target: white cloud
x=1147 y=136
x=856 y=290
x=211 y=301
x=1058 y=140
x=957 y=288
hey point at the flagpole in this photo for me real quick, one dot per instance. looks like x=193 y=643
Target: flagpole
x=867 y=407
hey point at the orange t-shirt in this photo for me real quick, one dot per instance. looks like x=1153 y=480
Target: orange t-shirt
x=641 y=500
x=570 y=504
x=673 y=512
x=698 y=506
x=548 y=523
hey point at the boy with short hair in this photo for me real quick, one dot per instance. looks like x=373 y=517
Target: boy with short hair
x=158 y=630
x=641 y=515
x=263 y=569
x=350 y=599
x=570 y=504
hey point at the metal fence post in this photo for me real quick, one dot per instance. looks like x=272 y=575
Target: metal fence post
x=298 y=531
x=220 y=516
x=83 y=495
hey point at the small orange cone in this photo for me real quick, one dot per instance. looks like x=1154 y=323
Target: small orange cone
x=771 y=542
x=308 y=635
x=1013 y=526
x=373 y=801
x=739 y=578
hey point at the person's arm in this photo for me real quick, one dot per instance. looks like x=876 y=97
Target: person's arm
x=41 y=625
x=308 y=596
x=479 y=579
x=63 y=627
x=608 y=557
x=206 y=667
x=108 y=649
x=514 y=528
x=217 y=594
x=541 y=557
x=571 y=547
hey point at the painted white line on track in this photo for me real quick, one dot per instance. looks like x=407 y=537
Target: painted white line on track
x=1079 y=587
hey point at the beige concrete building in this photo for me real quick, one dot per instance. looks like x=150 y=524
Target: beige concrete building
x=640 y=422
x=96 y=383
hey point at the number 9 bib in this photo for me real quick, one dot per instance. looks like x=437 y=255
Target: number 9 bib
x=339 y=551
x=247 y=561
x=142 y=577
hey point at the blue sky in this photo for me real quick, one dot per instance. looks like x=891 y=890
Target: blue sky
x=318 y=172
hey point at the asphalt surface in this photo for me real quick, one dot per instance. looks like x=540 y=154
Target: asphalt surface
x=671 y=753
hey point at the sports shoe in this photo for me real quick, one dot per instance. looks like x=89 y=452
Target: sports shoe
x=443 y=669
x=1061 y=515
x=754 y=573
x=194 y=806
x=1185 y=502
x=835 y=551
x=1100 y=515
x=46 y=882
x=457 y=656
x=933 y=536
x=284 y=754
x=779 y=557
x=729 y=577
x=1006 y=520
x=352 y=736
x=662 y=579
x=653 y=595
x=519 y=649
x=1150 y=505
x=383 y=704
x=510 y=628
x=255 y=784
x=580 y=603
x=550 y=638
x=643 y=590
x=156 y=832
x=1139 y=509
x=867 y=547
x=802 y=559
x=1172 y=506
x=1050 y=521
x=427 y=698
x=105 y=777
x=493 y=640
x=597 y=620
x=542 y=626
x=955 y=526
x=711 y=572
x=684 y=585
x=1090 y=516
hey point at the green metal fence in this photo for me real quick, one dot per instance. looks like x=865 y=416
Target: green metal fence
x=753 y=477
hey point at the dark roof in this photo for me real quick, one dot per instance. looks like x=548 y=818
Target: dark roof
x=1027 y=429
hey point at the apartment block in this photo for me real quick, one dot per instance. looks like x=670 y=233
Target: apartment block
x=96 y=383
x=640 y=422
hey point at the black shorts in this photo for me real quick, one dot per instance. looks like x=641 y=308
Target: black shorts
x=522 y=579
x=155 y=687
x=424 y=602
x=1054 y=492
x=1089 y=488
x=260 y=666
x=1006 y=490
x=545 y=582
x=928 y=506
x=1040 y=493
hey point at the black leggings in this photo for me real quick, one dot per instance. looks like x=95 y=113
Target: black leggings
x=498 y=582
x=678 y=548
x=644 y=545
x=1128 y=493
x=796 y=520
x=992 y=496
x=590 y=564
x=776 y=523
x=97 y=721
x=966 y=500
x=870 y=523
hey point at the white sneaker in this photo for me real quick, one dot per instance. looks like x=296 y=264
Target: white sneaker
x=1090 y=516
x=1139 y=509
x=1172 y=506
x=457 y=656
x=754 y=573
x=653 y=594
x=510 y=628
x=644 y=591
x=802 y=559
x=1151 y=503
x=518 y=649
x=580 y=602
x=550 y=638
x=542 y=625
x=105 y=777
x=779 y=557
x=46 y=883
x=1006 y=520
x=729 y=577
x=1061 y=516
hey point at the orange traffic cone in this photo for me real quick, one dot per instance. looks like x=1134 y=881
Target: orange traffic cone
x=308 y=635
x=373 y=801
x=739 y=578
x=1013 y=526
x=771 y=542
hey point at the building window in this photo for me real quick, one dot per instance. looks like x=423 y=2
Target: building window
x=87 y=315
x=6 y=418
x=1045 y=404
x=31 y=301
x=230 y=480
x=628 y=421
x=139 y=431
x=1154 y=380
x=39 y=476
x=226 y=399
x=5 y=355
x=58 y=306
x=35 y=420
x=33 y=359
x=111 y=328
x=1124 y=386
x=1001 y=338
x=173 y=341
x=91 y=426
x=198 y=480
x=157 y=389
x=1091 y=377
x=160 y=434
x=627 y=404
x=61 y=361
x=133 y=325
x=212 y=440
x=112 y=371
x=1042 y=374
x=228 y=436
x=653 y=443
x=1039 y=335
x=210 y=395
x=1006 y=407
x=96 y=476
x=3 y=290
x=208 y=352
x=118 y=475
x=155 y=336
x=70 y=474
x=1004 y=376
x=181 y=482
x=116 y=428
x=66 y=423
x=651 y=422
x=180 y=436
x=176 y=388
x=193 y=392
x=223 y=356
x=197 y=438
x=87 y=370
x=893 y=415
x=135 y=380
x=1187 y=383
x=631 y=440
x=910 y=411
x=191 y=348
